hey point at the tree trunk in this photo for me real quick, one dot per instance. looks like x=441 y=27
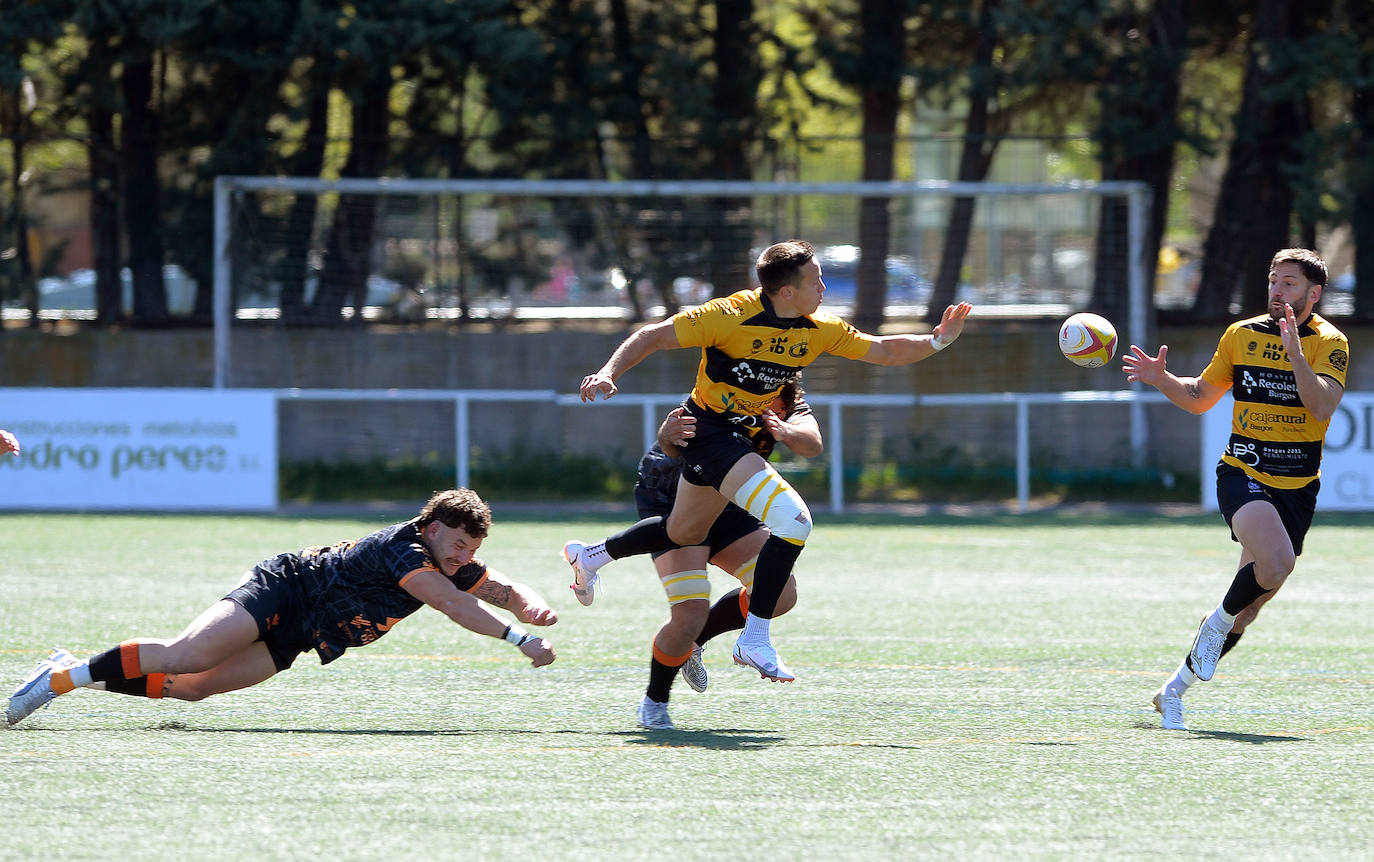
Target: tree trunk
x=975 y=160
x=348 y=258
x=27 y=287
x=1362 y=172
x=1137 y=134
x=882 y=44
x=142 y=216
x=733 y=93
x=104 y=159
x=300 y=221
x=1256 y=200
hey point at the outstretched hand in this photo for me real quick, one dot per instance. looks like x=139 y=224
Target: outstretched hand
x=952 y=322
x=529 y=607
x=8 y=442
x=1142 y=367
x=596 y=383
x=538 y=651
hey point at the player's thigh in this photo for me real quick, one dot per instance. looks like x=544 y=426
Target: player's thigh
x=245 y=668
x=694 y=510
x=1261 y=532
x=743 y=470
x=222 y=631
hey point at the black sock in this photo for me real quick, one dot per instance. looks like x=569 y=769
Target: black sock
x=648 y=536
x=1244 y=590
x=660 y=681
x=776 y=559
x=140 y=686
x=725 y=616
x=107 y=667
x=1231 y=638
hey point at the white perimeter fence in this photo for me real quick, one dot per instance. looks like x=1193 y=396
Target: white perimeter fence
x=170 y=449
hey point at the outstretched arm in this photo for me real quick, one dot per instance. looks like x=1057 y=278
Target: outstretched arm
x=1193 y=394
x=645 y=341
x=464 y=609
x=906 y=349
x=513 y=596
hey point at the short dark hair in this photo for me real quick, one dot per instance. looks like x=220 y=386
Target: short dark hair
x=1312 y=266
x=780 y=263
x=791 y=393
x=459 y=508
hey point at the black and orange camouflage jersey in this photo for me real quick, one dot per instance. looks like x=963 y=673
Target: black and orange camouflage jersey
x=1274 y=438
x=352 y=592
x=748 y=352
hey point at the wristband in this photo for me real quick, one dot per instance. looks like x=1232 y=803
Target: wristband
x=516 y=635
x=939 y=343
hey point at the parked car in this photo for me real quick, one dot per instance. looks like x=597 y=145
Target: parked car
x=839 y=271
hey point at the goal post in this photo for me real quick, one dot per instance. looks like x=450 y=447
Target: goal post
x=443 y=249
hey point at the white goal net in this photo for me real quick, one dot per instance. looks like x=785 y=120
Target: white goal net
x=310 y=251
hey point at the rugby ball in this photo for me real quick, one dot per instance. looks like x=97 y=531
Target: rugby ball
x=1087 y=339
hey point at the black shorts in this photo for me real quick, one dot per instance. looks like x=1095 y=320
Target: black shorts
x=717 y=446
x=1295 y=505
x=731 y=525
x=279 y=610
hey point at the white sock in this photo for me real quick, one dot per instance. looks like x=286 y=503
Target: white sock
x=755 y=629
x=1181 y=680
x=81 y=674
x=595 y=556
x=1220 y=620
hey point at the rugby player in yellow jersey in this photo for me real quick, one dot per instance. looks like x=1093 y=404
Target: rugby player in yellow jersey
x=752 y=342
x=1286 y=371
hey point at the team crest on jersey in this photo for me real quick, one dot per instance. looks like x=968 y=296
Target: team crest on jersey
x=1339 y=359
x=1250 y=348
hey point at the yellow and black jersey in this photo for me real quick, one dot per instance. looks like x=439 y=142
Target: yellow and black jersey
x=1274 y=438
x=748 y=352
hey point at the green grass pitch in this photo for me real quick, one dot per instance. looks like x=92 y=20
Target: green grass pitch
x=968 y=687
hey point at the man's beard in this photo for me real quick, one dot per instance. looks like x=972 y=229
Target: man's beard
x=1299 y=314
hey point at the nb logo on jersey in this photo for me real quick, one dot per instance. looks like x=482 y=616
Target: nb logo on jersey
x=1274 y=353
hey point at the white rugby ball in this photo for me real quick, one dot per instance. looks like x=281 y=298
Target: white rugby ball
x=1087 y=339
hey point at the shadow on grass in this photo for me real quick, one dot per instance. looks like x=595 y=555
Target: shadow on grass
x=720 y=740
x=1251 y=738
x=716 y=740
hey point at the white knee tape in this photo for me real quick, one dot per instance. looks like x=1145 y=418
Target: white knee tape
x=768 y=497
x=686 y=586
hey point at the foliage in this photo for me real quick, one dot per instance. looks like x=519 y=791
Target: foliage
x=159 y=98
